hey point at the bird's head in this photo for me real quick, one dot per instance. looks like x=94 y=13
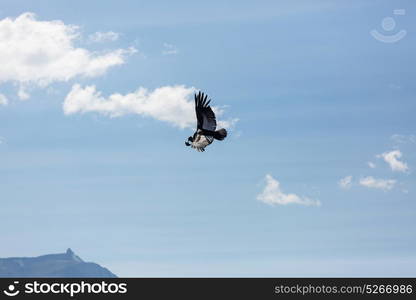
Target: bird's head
x=189 y=141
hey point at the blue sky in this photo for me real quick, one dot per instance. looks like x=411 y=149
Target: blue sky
x=316 y=96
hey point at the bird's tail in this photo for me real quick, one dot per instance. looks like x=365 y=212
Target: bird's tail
x=220 y=134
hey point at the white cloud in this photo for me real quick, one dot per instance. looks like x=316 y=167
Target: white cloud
x=392 y=158
x=169 y=49
x=99 y=37
x=371 y=182
x=41 y=52
x=345 y=182
x=3 y=100
x=273 y=195
x=172 y=104
x=371 y=165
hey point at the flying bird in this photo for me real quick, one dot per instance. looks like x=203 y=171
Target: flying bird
x=206 y=125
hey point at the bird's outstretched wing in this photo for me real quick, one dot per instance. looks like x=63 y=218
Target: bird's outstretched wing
x=204 y=114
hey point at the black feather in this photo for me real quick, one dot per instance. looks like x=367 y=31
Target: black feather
x=204 y=113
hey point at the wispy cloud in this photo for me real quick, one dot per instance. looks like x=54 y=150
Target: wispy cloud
x=34 y=52
x=100 y=37
x=272 y=194
x=169 y=49
x=395 y=86
x=383 y=184
x=371 y=165
x=392 y=159
x=3 y=100
x=403 y=139
x=345 y=182
x=172 y=104
x=229 y=124
x=22 y=93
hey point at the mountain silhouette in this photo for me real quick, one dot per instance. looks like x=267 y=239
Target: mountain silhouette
x=52 y=265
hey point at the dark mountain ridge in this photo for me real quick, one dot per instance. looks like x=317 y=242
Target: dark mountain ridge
x=52 y=265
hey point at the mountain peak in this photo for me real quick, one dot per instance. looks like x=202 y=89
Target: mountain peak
x=72 y=256
x=66 y=264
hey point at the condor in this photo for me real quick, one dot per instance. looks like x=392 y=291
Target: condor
x=206 y=125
